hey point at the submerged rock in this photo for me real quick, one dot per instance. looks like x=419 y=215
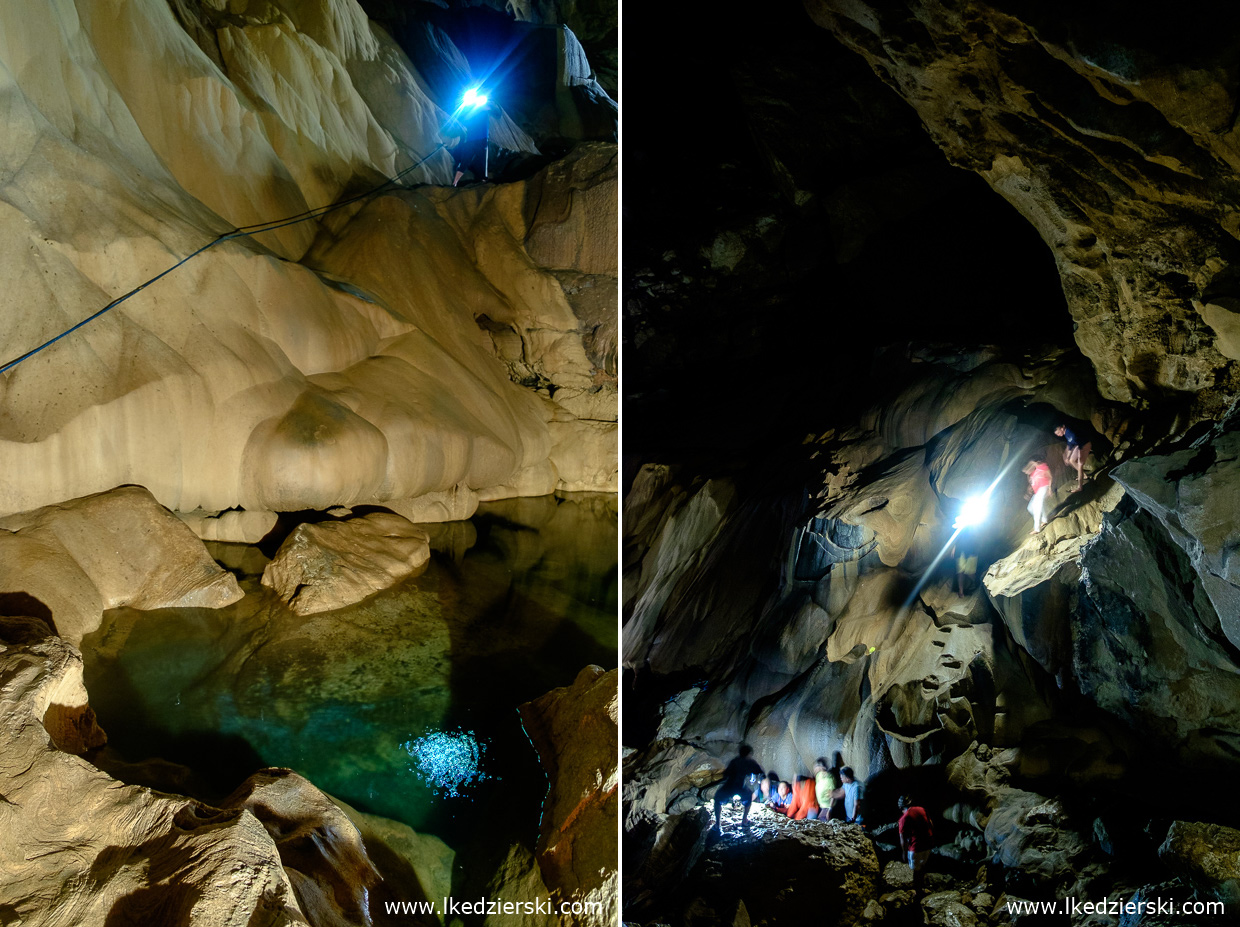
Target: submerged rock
x=330 y=564
x=67 y=563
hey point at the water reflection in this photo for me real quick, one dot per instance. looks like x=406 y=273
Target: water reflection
x=517 y=609
x=448 y=760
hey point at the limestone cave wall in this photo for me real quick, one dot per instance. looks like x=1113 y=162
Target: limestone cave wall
x=423 y=348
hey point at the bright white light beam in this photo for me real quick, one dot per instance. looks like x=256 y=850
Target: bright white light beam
x=974 y=511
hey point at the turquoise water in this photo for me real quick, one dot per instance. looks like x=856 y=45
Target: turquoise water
x=403 y=705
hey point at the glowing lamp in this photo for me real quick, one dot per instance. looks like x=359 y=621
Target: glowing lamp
x=973 y=511
x=474 y=98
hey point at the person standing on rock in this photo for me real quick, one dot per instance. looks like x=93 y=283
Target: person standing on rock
x=825 y=787
x=1075 y=454
x=852 y=796
x=1039 y=486
x=916 y=832
x=736 y=784
x=470 y=153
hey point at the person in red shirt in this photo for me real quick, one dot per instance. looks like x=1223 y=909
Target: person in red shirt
x=1039 y=486
x=916 y=832
x=804 y=802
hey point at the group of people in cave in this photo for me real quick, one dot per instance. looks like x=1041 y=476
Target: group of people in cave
x=1075 y=455
x=833 y=792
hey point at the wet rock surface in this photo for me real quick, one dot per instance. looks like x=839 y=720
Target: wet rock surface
x=67 y=563
x=319 y=847
x=574 y=729
x=331 y=564
x=146 y=857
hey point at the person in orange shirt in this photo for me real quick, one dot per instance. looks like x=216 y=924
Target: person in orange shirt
x=804 y=802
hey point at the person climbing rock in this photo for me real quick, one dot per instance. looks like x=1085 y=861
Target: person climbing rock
x=916 y=832
x=1075 y=454
x=1039 y=486
x=965 y=553
x=736 y=784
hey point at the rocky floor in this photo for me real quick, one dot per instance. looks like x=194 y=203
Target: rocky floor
x=771 y=871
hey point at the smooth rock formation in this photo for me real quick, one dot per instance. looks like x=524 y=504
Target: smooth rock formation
x=234 y=526
x=82 y=848
x=336 y=361
x=414 y=867
x=574 y=730
x=321 y=850
x=67 y=563
x=330 y=564
x=518 y=878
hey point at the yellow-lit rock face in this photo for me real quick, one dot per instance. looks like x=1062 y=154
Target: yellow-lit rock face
x=417 y=349
x=67 y=563
x=335 y=563
x=67 y=824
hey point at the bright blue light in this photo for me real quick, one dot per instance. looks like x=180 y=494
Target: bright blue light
x=470 y=96
x=474 y=98
x=448 y=760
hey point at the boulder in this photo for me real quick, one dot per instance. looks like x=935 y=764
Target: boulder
x=67 y=563
x=785 y=872
x=1205 y=855
x=519 y=879
x=574 y=730
x=327 y=565
x=948 y=909
x=321 y=850
x=414 y=867
x=1039 y=843
x=82 y=848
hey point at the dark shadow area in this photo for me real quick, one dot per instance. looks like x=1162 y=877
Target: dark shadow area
x=24 y=605
x=171 y=903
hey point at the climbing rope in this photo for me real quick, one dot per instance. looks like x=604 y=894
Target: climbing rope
x=244 y=231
